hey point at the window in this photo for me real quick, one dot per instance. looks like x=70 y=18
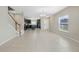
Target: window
x=34 y=22
x=63 y=23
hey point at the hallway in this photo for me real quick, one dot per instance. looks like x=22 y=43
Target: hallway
x=40 y=41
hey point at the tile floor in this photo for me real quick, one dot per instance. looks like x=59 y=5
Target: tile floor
x=40 y=41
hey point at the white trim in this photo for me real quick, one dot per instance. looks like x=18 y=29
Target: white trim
x=8 y=39
x=59 y=26
x=22 y=32
x=11 y=37
x=12 y=28
x=72 y=39
x=63 y=30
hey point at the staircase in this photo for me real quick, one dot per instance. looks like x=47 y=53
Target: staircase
x=7 y=34
x=15 y=24
x=8 y=25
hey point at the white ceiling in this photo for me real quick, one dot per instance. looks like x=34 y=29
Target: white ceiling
x=34 y=12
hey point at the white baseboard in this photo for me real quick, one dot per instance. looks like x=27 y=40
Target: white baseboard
x=13 y=36
x=73 y=39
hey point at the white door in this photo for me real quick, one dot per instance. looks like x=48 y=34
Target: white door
x=45 y=24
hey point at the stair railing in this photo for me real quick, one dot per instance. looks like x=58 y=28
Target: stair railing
x=16 y=23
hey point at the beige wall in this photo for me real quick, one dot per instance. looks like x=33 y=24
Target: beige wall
x=73 y=31
x=51 y=24
x=3 y=17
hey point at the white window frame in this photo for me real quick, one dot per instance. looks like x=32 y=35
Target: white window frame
x=60 y=18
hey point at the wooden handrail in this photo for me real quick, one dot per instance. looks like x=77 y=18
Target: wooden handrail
x=16 y=23
x=13 y=18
